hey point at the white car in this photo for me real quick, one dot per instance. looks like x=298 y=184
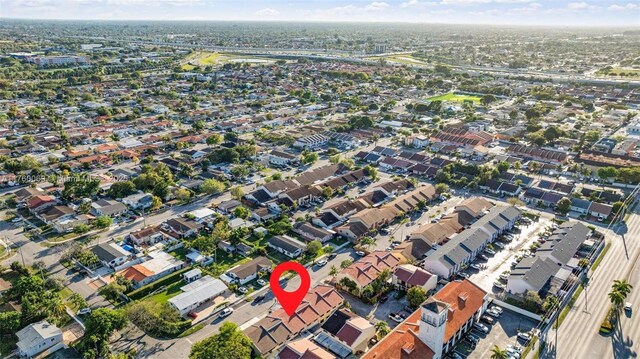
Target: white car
x=16 y=220
x=627 y=306
x=360 y=253
x=504 y=276
x=261 y=282
x=395 y=318
x=475 y=266
x=499 y=285
x=524 y=336
x=322 y=263
x=481 y=327
x=243 y=290
x=496 y=309
x=226 y=312
x=84 y=311
x=499 y=245
x=493 y=313
x=490 y=251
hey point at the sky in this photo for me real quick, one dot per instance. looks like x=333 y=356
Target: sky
x=496 y=12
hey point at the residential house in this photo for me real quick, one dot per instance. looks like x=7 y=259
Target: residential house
x=108 y=207
x=36 y=338
x=407 y=276
x=309 y=232
x=364 y=271
x=312 y=142
x=271 y=332
x=286 y=245
x=553 y=261
x=158 y=264
x=183 y=227
x=198 y=293
x=281 y=158
x=148 y=236
x=248 y=271
x=40 y=203
x=111 y=254
x=463 y=248
x=139 y=201
x=304 y=349
x=350 y=329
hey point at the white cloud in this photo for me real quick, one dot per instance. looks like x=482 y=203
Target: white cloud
x=581 y=6
x=267 y=12
x=409 y=3
x=629 y=6
x=33 y=3
x=151 y=2
x=377 y=6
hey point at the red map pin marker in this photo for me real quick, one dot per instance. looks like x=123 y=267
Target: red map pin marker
x=290 y=300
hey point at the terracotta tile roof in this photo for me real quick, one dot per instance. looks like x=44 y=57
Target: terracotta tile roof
x=352 y=330
x=366 y=270
x=464 y=299
x=402 y=343
x=136 y=273
x=304 y=349
x=37 y=201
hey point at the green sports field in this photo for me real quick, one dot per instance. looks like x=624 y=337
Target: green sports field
x=455 y=97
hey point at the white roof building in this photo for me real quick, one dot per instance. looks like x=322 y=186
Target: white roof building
x=197 y=293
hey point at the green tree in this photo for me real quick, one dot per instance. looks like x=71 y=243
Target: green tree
x=214 y=139
x=382 y=329
x=9 y=323
x=416 y=296
x=113 y=291
x=100 y=325
x=564 y=206
x=346 y=263
x=77 y=301
x=442 y=188
x=212 y=186
x=550 y=303
x=122 y=189
x=309 y=158
x=229 y=343
x=314 y=247
x=499 y=353
x=237 y=192
x=103 y=222
x=183 y=195
x=607 y=173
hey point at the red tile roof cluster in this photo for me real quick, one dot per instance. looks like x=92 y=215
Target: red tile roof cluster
x=367 y=269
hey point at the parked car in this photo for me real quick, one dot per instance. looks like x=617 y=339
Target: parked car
x=473 y=338
x=383 y=298
x=493 y=313
x=360 y=253
x=84 y=311
x=396 y=318
x=192 y=315
x=481 y=327
x=475 y=266
x=524 y=336
x=627 y=306
x=243 y=290
x=322 y=263
x=487 y=319
x=331 y=255
x=499 y=245
x=496 y=309
x=490 y=251
x=226 y=312
x=483 y=257
x=499 y=285
x=262 y=282
x=504 y=276
x=259 y=298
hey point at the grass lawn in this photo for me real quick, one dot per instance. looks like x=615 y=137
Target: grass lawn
x=65 y=293
x=3 y=251
x=192 y=330
x=170 y=291
x=277 y=257
x=616 y=71
x=206 y=58
x=188 y=67
x=181 y=253
x=454 y=97
x=54 y=236
x=338 y=241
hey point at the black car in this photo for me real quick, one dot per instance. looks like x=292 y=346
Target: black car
x=383 y=298
x=258 y=299
x=332 y=255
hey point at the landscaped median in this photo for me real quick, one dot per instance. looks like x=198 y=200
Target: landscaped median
x=610 y=320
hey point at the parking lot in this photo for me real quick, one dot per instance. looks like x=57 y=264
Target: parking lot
x=503 y=333
x=379 y=311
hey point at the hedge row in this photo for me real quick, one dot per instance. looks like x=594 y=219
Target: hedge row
x=149 y=288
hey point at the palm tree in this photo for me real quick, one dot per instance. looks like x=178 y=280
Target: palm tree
x=499 y=353
x=382 y=328
x=622 y=286
x=617 y=298
x=583 y=263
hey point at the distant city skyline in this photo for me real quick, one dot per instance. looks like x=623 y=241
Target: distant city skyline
x=492 y=12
